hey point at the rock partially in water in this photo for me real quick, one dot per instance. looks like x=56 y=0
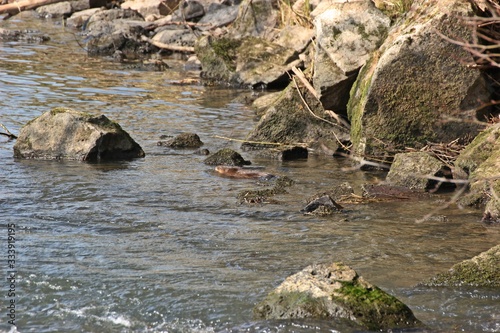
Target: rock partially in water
x=30 y=36
x=322 y=205
x=289 y=121
x=415 y=88
x=481 y=271
x=116 y=30
x=335 y=291
x=184 y=140
x=226 y=156
x=66 y=134
x=418 y=171
x=281 y=152
x=481 y=158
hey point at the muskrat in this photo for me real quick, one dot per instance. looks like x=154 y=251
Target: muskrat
x=238 y=172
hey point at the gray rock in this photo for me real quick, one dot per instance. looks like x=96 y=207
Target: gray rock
x=415 y=171
x=226 y=156
x=219 y=16
x=256 y=18
x=335 y=291
x=181 y=37
x=72 y=135
x=30 y=36
x=192 y=10
x=346 y=35
x=416 y=89
x=322 y=205
x=289 y=122
x=116 y=30
x=250 y=62
x=184 y=140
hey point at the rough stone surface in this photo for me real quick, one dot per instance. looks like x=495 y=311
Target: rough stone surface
x=481 y=271
x=249 y=62
x=116 y=30
x=79 y=18
x=335 y=291
x=226 y=156
x=255 y=18
x=30 y=36
x=288 y=121
x=184 y=140
x=72 y=135
x=181 y=37
x=152 y=7
x=411 y=170
x=346 y=35
x=410 y=88
x=481 y=159
x=218 y=17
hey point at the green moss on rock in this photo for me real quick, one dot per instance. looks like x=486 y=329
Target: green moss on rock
x=480 y=271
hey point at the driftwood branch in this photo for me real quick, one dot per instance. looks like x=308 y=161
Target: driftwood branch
x=171 y=47
x=19 y=6
x=7 y=133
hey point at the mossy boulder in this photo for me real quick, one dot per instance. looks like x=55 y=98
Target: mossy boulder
x=416 y=171
x=417 y=88
x=481 y=158
x=481 y=271
x=335 y=291
x=290 y=121
x=248 y=62
x=67 y=134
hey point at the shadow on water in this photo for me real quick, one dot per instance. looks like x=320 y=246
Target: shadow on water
x=162 y=244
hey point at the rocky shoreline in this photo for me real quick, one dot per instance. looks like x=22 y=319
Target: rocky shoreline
x=386 y=91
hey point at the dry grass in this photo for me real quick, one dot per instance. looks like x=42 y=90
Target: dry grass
x=394 y=8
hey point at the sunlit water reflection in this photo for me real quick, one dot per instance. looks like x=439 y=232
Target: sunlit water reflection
x=161 y=243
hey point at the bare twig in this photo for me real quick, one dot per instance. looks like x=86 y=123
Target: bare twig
x=7 y=132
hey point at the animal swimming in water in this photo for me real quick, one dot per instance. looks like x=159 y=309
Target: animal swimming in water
x=239 y=172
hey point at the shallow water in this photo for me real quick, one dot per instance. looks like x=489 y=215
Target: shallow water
x=161 y=244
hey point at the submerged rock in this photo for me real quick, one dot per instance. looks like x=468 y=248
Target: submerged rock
x=335 y=291
x=65 y=134
x=481 y=271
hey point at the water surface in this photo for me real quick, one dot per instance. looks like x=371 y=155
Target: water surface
x=161 y=244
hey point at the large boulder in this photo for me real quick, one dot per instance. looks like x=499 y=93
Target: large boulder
x=346 y=35
x=290 y=121
x=335 y=291
x=249 y=62
x=481 y=271
x=66 y=134
x=152 y=7
x=417 y=87
x=256 y=18
x=116 y=30
x=481 y=159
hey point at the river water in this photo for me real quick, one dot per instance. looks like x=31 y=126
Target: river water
x=161 y=244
